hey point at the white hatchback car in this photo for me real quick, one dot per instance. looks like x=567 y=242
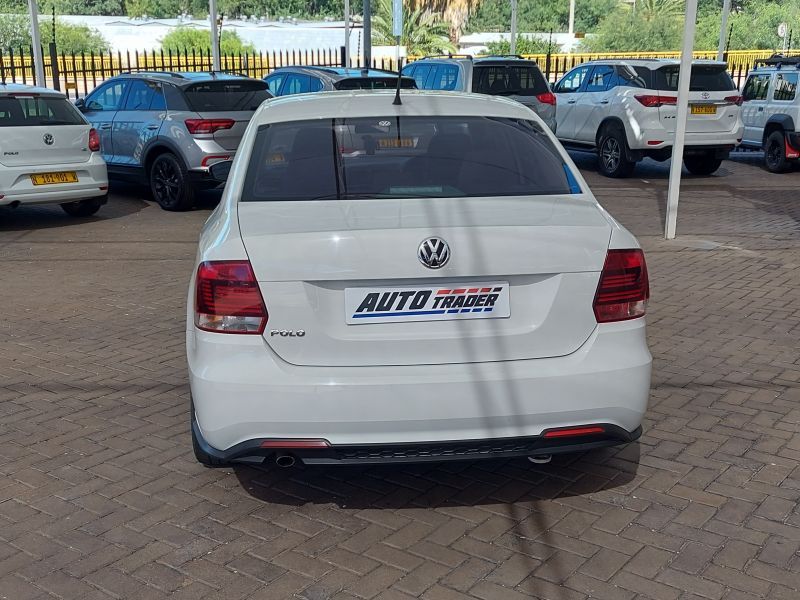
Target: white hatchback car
x=49 y=154
x=426 y=281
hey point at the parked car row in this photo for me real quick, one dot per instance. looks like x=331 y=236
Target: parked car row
x=169 y=128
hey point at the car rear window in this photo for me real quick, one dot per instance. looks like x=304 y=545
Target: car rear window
x=508 y=80
x=374 y=83
x=704 y=79
x=216 y=96
x=404 y=157
x=37 y=110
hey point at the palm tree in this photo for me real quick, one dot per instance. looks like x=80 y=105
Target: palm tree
x=454 y=12
x=650 y=10
x=424 y=32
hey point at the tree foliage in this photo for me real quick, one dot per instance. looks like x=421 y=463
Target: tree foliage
x=15 y=34
x=539 y=15
x=423 y=31
x=525 y=45
x=189 y=38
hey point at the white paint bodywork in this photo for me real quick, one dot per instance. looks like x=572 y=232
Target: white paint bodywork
x=548 y=365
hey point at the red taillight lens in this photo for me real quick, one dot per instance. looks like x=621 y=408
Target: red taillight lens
x=624 y=288
x=227 y=298
x=94 y=140
x=547 y=98
x=737 y=100
x=208 y=125
x=655 y=100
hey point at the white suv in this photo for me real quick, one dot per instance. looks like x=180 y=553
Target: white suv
x=625 y=109
x=422 y=281
x=771 y=112
x=49 y=154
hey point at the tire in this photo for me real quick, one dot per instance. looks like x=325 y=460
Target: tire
x=169 y=183
x=702 y=164
x=775 y=153
x=612 y=154
x=82 y=208
x=203 y=457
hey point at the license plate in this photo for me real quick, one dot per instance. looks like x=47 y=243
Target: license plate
x=54 y=178
x=427 y=303
x=704 y=109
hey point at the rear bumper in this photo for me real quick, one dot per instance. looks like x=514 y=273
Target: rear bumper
x=243 y=392
x=364 y=454
x=16 y=185
x=712 y=140
x=201 y=179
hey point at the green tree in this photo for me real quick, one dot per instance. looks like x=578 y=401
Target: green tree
x=754 y=27
x=540 y=15
x=423 y=31
x=189 y=38
x=626 y=31
x=15 y=34
x=651 y=10
x=525 y=45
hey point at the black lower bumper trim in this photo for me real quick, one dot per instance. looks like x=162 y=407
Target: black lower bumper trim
x=361 y=454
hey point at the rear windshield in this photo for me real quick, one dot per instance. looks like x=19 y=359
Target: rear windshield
x=374 y=83
x=508 y=80
x=704 y=79
x=37 y=110
x=404 y=157
x=215 y=96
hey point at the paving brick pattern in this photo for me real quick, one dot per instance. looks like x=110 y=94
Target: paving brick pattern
x=100 y=497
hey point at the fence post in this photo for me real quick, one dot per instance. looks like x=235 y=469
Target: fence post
x=343 y=55
x=54 y=66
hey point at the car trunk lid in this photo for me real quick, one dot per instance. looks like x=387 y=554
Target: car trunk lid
x=315 y=261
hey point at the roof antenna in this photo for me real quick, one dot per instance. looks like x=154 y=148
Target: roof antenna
x=397 y=30
x=397 y=101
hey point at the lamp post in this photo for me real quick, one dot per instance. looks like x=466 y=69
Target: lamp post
x=213 y=17
x=347 y=33
x=367 y=35
x=513 y=26
x=723 y=28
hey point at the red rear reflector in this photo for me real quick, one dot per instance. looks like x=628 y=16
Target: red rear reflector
x=574 y=431
x=215 y=157
x=656 y=100
x=94 y=140
x=208 y=125
x=227 y=298
x=295 y=444
x=655 y=142
x=547 y=98
x=737 y=100
x=104 y=187
x=624 y=288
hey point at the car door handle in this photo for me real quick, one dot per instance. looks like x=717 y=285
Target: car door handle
x=152 y=127
x=760 y=109
x=105 y=126
x=603 y=101
x=571 y=101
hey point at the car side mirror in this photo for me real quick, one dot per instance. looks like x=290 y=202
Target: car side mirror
x=80 y=104
x=220 y=170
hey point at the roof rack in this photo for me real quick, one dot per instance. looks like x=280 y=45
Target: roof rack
x=469 y=56
x=160 y=73
x=503 y=56
x=777 y=60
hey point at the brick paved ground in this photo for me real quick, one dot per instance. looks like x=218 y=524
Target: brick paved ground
x=100 y=496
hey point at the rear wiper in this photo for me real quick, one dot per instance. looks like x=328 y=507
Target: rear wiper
x=354 y=196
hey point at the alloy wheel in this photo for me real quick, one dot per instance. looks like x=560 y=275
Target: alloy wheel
x=610 y=154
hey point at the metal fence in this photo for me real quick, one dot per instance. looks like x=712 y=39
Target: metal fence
x=78 y=74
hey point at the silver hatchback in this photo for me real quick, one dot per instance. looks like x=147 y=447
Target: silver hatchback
x=168 y=129
x=510 y=76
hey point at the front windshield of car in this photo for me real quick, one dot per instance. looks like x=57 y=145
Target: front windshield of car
x=404 y=157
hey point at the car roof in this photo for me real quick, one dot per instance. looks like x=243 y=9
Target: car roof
x=379 y=103
x=337 y=73
x=18 y=88
x=654 y=63
x=184 y=78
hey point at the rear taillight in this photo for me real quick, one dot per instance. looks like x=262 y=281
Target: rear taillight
x=656 y=100
x=737 y=100
x=574 y=431
x=94 y=140
x=624 y=288
x=196 y=126
x=227 y=298
x=547 y=98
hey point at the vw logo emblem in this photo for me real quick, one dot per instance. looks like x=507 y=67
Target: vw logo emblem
x=433 y=253
x=48 y=139
x=706 y=95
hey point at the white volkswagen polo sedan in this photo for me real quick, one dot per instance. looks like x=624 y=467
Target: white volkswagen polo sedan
x=419 y=282
x=49 y=154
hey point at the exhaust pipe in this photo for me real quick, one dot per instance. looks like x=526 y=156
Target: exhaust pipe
x=284 y=461
x=541 y=459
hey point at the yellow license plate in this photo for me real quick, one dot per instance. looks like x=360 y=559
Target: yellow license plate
x=54 y=178
x=704 y=109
